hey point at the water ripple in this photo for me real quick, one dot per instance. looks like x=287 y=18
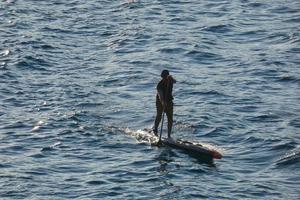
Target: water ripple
x=77 y=90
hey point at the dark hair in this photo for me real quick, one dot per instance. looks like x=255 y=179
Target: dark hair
x=164 y=73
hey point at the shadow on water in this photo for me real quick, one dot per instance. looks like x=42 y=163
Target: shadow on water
x=165 y=157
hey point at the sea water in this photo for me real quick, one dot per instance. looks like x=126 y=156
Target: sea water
x=77 y=88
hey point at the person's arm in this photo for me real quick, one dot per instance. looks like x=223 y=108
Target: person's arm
x=170 y=78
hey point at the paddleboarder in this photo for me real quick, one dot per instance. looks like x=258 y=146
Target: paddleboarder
x=164 y=101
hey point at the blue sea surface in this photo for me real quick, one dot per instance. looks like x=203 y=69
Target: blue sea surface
x=77 y=88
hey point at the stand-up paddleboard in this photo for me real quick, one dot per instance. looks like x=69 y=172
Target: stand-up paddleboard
x=190 y=147
x=194 y=148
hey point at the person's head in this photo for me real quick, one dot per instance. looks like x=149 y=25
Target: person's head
x=164 y=73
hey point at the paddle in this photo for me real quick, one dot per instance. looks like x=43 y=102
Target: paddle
x=162 y=124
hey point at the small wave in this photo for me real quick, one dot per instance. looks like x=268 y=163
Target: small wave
x=37 y=126
x=250 y=139
x=96 y=182
x=289 y=79
x=57 y=30
x=51 y=147
x=265 y=118
x=246 y=108
x=131 y=4
x=295 y=122
x=292 y=20
x=43 y=46
x=257 y=5
x=31 y=62
x=37 y=172
x=11 y=23
x=210 y=92
x=218 y=28
x=2 y=65
x=280 y=145
x=255 y=34
x=284 y=10
x=215 y=131
x=37 y=155
x=89 y=104
x=5 y=53
x=184 y=125
x=203 y=56
x=171 y=50
x=294 y=50
x=10 y=1
x=17 y=124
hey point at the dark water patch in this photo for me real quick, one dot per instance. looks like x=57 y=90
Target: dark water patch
x=6 y=165
x=16 y=148
x=277 y=38
x=284 y=10
x=89 y=104
x=45 y=47
x=171 y=50
x=63 y=168
x=288 y=79
x=210 y=93
x=96 y=182
x=48 y=149
x=140 y=63
x=215 y=131
x=294 y=50
x=283 y=145
x=15 y=125
x=257 y=5
x=37 y=172
x=263 y=118
x=252 y=36
x=219 y=29
x=131 y=4
x=292 y=20
x=182 y=20
x=203 y=57
x=267 y=72
x=34 y=63
x=295 y=122
x=58 y=30
x=38 y=155
x=252 y=139
x=21 y=194
x=246 y=108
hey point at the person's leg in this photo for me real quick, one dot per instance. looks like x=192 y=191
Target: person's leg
x=169 y=113
x=159 y=110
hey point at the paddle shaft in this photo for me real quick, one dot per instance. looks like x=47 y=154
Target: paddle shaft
x=162 y=124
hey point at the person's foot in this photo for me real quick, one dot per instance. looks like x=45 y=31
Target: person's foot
x=154 y=131
x=170 y=139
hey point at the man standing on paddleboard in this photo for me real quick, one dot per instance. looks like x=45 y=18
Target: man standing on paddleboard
x=164 y=101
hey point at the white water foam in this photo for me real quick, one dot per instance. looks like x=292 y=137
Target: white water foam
x=142 y=136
